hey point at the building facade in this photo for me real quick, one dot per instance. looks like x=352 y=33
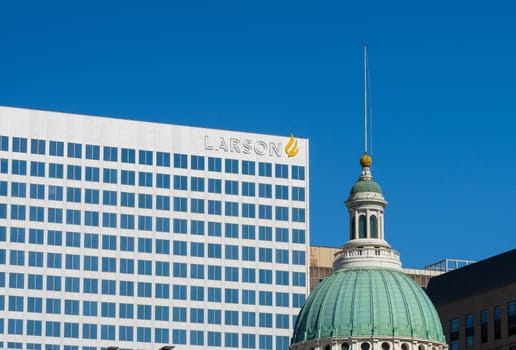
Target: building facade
x=477 y=304
x=136 y=234
x=367 y=302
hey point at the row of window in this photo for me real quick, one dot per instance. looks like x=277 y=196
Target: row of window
x=147 y=157
x=145 y=245
x=92 y=174
x=127 y=199
x=162 y=268
x=140 y=334
x=495 y=326
x=144 y=222
x=150 y=312
x=145 y=289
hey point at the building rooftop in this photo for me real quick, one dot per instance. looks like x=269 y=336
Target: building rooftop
x=473 y=279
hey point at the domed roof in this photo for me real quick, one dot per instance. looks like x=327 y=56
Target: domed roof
x=368 y=302
x=365 y=185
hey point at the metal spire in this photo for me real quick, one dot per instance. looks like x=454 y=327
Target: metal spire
x=365 y=98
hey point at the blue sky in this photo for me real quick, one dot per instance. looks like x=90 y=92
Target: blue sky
x=442 y=96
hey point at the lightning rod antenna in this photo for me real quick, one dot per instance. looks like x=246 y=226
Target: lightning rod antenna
x=365 y=98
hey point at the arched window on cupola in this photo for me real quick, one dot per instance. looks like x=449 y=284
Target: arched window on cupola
x=373 y=224
x=362 y=226
x=353 y=229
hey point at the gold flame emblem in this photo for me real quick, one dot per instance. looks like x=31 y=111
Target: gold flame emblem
x=291 y=148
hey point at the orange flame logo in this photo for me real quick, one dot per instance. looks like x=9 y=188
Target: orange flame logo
x=291 y=148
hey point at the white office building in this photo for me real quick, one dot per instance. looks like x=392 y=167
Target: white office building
x=137 y=234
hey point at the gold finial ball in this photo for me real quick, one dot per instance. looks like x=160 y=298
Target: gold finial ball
x=366 y=161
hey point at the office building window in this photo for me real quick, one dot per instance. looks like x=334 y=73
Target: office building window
x=214 y=186
x=107 y=332
x=162 y=181
x=197 y=162
x=298 y=236
x=214 y=339
x=265 y=169
x=231 y=187
x=4 y=167
x=180 y=204
x=298 y=194
x=144 y=179
x=282 y=299
x=180 y=182
x=282 y=213
x=231 y=209
x=92 y=152
x=19 y=145
x=248 y=232
x=197 y=184
x=197 y=293
x=180 y=161
x=248 y=297
x=145 y=157
x=214 y=164
x=282 y=171
x=298 y=172
x=281 y=234
x=110 y=154
x=511 y=318
x=214 y=207
x=4 y=143
x=454 y=334
x=74 y=150
x=483 y=326
x=56 y=148
x=497 y=322
x=231 y=166
x=19 y=167
x=91 y=174
x=282 y=256
x=248 y=189
x=298 y=279
x=128 y=155
x=37 y=169
x=37 y=146
x=265 y=342
x=231 y=340
x=197 y=205
x=248 y=167
x=281 y=192
x=110 y=176
x=163 y=159
x=470 y=331
x=125 y=333
x=214 y=273
x=248 y=210
x=196 y=337
x=298 y=300
x=231 y=296
x=128 y=177
x=197 y=249
x=298 y=257
x=179 y=336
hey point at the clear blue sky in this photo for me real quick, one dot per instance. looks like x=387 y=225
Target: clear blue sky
x=442 y=86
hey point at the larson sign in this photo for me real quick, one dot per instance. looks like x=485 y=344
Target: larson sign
x=245 y=146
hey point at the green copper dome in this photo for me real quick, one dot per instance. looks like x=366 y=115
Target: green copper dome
x=364 y=185
x=368 y=302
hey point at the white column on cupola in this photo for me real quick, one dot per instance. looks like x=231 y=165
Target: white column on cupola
x=366 y=246
x=366 y=207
